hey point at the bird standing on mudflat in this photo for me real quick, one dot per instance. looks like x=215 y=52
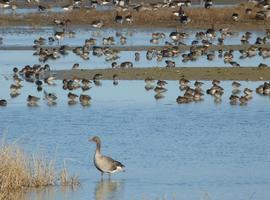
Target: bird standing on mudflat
x=103 y=163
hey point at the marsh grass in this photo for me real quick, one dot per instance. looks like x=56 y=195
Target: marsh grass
x=18 y=171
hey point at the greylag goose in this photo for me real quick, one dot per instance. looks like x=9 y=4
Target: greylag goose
x=103 y=163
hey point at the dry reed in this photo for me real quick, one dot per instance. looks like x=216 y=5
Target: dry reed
x=19 y=171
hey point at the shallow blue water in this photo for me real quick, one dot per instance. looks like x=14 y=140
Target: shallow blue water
x=22 y=36
x=193 y=151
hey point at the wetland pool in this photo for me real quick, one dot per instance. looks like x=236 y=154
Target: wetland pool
x=192 y=151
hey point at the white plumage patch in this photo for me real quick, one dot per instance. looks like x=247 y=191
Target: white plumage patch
x=118 y=169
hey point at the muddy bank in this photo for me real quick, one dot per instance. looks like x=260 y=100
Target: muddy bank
x=182 y=48
x=192 y=73
x=162 y=17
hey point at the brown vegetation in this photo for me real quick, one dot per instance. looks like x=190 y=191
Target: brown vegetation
x=19 y=171
x=163 y=17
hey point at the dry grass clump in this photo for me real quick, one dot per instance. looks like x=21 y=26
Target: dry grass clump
x=19 y=171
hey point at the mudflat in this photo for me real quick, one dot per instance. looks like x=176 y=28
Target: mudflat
x=216 y=17
x=191 y=73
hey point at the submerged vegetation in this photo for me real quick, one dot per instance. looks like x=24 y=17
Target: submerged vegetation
x=18 y=172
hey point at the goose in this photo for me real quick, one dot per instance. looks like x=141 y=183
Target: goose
x=103 y=163
x=118 y=18
x=262 y=66
x=235 y=17
x=129 y=18
x=248 y=11
x=208 y=4
x=97 y=24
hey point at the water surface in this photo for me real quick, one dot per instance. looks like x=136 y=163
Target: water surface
x=193 y=151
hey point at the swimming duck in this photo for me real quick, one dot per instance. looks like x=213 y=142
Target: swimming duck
x=103 y=163
x=181 y=99
x=115 y=79
x=3 y=102
x=137 y=56
x=236 y=86
x=72 y=98
x=159 y=95
x=243 y=100
x=233 y=99
x=85 y=99
x=149 y=83
x=50 y=97
x=32 y=100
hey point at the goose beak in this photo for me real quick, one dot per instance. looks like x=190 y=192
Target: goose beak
x=90 y=139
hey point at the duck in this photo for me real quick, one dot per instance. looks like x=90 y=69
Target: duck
x=72 y=98
x=50 y=97
x=103 y=163
x=3 y=102
x=236 y=86
x=159 y=95
x=243 y=100
x=32 y=100
x=59 y=35
x=115 y=79
x=137 y=56
x=149 y=83
x=85 y=99
x=181 y=100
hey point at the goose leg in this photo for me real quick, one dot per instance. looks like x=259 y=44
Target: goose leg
x=109 y=176
x=101 y=175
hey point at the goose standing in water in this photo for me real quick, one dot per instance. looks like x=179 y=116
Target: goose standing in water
x=103 y=163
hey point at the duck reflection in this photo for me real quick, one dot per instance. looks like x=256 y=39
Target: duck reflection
x=109 y=190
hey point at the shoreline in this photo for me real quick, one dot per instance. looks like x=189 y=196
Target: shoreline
x=201 y=18
x=181 y=48
x=191 y=73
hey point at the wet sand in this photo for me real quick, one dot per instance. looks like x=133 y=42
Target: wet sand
x=191 y=73
x=181 y=48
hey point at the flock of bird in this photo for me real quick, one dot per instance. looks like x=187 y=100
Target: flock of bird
x=172 y=49
x=196 y=93
x=124 y=5
x=200 y=46
x=40 y=75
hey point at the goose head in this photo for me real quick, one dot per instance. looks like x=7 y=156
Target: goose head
x=95 y=139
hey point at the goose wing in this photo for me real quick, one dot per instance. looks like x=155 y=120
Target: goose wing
x=113 y=165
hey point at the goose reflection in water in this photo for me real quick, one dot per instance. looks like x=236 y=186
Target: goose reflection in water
x=109 y=190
